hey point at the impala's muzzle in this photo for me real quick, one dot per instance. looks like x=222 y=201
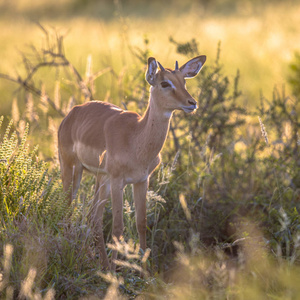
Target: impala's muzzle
x=190 y=108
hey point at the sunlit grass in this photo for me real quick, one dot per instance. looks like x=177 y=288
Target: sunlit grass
x=260 y=44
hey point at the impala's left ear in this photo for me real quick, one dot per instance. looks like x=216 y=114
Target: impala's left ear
x=151 y=71
x=193 y=66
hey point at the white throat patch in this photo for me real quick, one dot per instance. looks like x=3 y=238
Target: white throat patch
x=168 y=114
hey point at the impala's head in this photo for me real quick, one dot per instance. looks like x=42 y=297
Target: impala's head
x=168 y=86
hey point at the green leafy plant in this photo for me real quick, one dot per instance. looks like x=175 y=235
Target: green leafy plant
x=295 y=74
x=28 y=188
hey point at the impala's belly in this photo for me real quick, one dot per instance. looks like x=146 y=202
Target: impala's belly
x=91 y=158
x=136 y=177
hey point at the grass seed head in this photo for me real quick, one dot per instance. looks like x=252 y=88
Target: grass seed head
x=263 y=131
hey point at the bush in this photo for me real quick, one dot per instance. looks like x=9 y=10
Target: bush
x=28 y=188
x=295 y=75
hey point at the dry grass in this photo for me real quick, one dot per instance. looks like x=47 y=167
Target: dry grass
x=260 y=44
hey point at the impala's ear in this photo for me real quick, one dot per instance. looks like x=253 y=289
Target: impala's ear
x=151 y=71
x=193 y=66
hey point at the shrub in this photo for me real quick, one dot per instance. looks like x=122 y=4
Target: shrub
x=295 y=75
x=28 y=188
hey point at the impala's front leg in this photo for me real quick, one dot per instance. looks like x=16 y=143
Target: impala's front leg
x=117 y=211
x=95 y=216
x=140 y=192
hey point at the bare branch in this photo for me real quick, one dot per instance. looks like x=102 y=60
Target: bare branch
x=38 y=92
x=9 y=78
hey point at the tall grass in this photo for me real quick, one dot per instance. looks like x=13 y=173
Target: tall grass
x=249 y=39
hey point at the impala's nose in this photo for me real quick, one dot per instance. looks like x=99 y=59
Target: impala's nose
x=191 y=107
x=192 y=102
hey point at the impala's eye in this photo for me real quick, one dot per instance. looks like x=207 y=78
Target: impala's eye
x=165 y=84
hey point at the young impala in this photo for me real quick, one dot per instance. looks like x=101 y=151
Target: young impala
x=121 y=147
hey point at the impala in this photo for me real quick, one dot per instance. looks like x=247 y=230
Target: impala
x=121 y=147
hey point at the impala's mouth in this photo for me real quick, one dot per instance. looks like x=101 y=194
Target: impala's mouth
x=189 y=109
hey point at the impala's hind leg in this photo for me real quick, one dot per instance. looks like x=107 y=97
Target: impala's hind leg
x=71 y=174
x=102 y=193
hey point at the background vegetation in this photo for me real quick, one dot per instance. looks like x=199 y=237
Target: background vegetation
x=223 y=208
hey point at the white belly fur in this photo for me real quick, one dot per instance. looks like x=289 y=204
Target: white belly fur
x=89 y=157
x=94 y=170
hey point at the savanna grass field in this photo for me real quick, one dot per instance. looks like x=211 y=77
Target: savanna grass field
x=223 y=207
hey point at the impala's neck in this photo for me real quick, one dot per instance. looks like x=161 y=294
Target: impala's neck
x=153 y=130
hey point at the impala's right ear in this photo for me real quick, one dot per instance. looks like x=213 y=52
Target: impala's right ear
x=151 y=71
x=193 y=66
